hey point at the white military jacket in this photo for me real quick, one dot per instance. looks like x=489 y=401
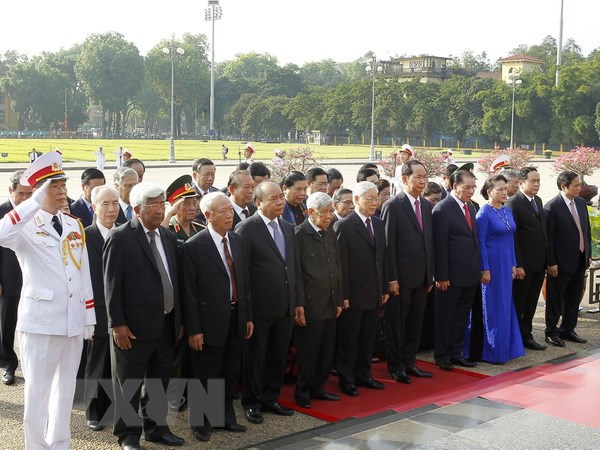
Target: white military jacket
x=57 y=296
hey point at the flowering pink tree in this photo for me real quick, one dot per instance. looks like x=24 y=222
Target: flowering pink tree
x=299 y=158
x=434 y=163
x=518 y=159
x=581 y=160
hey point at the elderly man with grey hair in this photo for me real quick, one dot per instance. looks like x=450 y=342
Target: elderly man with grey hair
x=361 y=239
x=319 y=281
x=512 y=177
x=142 y=296
x=125 y=178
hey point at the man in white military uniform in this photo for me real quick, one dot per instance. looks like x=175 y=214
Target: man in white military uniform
x=56 y=308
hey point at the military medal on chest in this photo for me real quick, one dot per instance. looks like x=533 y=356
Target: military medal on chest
x=72 y=244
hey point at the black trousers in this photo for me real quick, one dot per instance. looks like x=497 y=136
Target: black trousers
x=97 y=368
x=8 y=323
x=526 y=293
x=403 y=320
x=144 y=360
x=222 y=362
x=357 y=330
x=315 y=345
x=452 y=309
x=563 y=296
x=265 y=357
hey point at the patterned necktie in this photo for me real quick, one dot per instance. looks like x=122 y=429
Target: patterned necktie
x=57 y=225
x=164 y=276
x=278 y=237
x=418 y=213
x=370 y=230
x=578 y=223
x=229 y=259
x=468 y=217
x=91 y=211
x=128 y=212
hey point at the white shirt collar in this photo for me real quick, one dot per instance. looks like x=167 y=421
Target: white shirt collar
x=363 y=218
x=103 y=230
x=216 y=236
x=316 y=228
x=459 y=201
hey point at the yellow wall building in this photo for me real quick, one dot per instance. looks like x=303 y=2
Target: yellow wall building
x=519 y=64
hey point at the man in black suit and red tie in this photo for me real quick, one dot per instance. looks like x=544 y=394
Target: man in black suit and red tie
x=409 y=232
x=531 y=251
x=11 y=282
x=457 y=269
x=361 y=238
x=82 y=207
x=105 y=204
x=569 y=250
x=241 y=191
x=203 y=173
x=218 y=316
x=273 y=288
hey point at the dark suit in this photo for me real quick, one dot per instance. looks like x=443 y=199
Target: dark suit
x=237 y=219
x=200 y=217
x=319 y=278
x=273 y=299
x=364 y=281
x=11 y=280
x=98 y=350
x=134 y=297
x=209 y=311
x=79 y=209
x=410 y=263
x=531 y=252
x=457 y=261
x=565 y=291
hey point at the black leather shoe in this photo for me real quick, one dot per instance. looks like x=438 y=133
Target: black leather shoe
x=532 y=345
x=303 y=403
x=555 y=340
x=254 y=415
x=236 y=427
x=349 y=389
x=167 y=439
x=131 y=446
x=9 y=377
x=202 y=433
x=326 y=396
x=94 y=425
x=370 y=383
x=573 y=337
x=278 y=409
x=462 y=361
x=400 y=377
x=444 y=364
x=415 y=371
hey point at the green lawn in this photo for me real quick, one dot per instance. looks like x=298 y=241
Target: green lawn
x=155 y=150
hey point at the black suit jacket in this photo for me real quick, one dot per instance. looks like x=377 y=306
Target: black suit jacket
x=563 y=235
x=531 y=237
x=11 y=277
x=237 y=219
x=80 y=210
x=121 y=217
x=410 y=249
x=95 y=245
x=456 y=247
x=205 y=286
x=272 y=278
x=364 y=264
x=132 y=284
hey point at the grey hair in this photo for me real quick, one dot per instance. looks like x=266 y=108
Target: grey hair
x=362 y=187
x=318 y=200
x=15 y=177
x=141 y=192
x=123 y=172
x=208 y=200
x=98 y=190
x=509 y=174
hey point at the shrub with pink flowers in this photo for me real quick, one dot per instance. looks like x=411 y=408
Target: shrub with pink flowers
x=518 y=158
x=300 y=158
x=581 y=160
x=433 y=162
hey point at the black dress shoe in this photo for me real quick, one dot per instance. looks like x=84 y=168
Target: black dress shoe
x=94 y=425
x=303 y=403
x=236 y=427
x=202 y=433
x=573 y=337
x=415 y=371
x=349 y=389
x=326 y=396
x=167 y=439
x=131 y=446
x=462 y=361
x=444 y=364
x=254 y=415
x=278 y=409
x=9 y=377
x=400 y=377
x=555 y=340
x=370 y=383
x=532 y=345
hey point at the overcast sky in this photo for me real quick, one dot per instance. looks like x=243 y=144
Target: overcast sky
x=306 y=30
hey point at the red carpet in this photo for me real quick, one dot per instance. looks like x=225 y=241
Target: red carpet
x=396 y=396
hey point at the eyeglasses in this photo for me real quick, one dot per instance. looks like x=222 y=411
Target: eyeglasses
x=321 y=183
x=468 y=188
x=155 y=206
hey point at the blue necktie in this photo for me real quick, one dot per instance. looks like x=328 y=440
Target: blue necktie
x=278 y=237
x=128 y=212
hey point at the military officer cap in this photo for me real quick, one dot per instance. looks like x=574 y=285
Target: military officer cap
x=500 y=162
x=47 y=166
x=181 y=187
x=467 y=166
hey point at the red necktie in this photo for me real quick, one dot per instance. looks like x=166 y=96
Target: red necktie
x=468 y=217
x=245 y=213
x=234 y=292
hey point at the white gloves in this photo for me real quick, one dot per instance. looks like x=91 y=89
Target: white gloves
x=88 y=332
x=40 y=193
